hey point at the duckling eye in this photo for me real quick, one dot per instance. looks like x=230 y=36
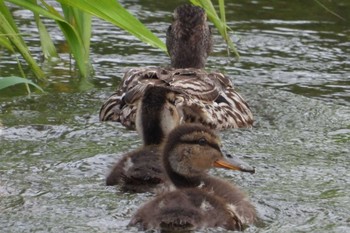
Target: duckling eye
x=202 y=141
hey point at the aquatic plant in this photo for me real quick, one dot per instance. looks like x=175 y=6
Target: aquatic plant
x=74 y=20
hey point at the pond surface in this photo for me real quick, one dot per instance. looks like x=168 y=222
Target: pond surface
x=294 y=71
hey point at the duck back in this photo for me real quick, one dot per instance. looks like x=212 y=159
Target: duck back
x=206 y=98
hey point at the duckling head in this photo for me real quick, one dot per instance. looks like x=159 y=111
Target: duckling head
x=188 y=38
x=190 y=150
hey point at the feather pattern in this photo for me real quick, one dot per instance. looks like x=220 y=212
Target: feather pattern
x=206 y=98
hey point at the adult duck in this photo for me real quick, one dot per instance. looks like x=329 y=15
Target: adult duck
x=141 y=170
x=199 y=200
x=210 y=97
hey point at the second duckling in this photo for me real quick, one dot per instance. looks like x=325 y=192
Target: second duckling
x=141 y=170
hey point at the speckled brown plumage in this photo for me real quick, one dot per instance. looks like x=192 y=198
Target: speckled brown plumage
x=207 y=98
x=188 y=38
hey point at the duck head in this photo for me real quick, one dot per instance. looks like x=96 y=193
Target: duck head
x=188 y=38
x=191 y=150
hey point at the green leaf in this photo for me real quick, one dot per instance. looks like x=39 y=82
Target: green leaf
x=81 y=21
x=113 y=12
x=47 y=44
x=73 y=39
x=13 y=80
x=6 y=43
x=9 y=29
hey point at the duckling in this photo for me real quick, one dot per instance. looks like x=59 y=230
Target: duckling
x=141 y=170
x=199 y=200
x=209 y=98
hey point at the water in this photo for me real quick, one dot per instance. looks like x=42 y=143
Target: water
x=294 y=71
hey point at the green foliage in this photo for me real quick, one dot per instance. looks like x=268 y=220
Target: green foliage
x=75 y=24
x=11 y=39
x=13 y=80
x=74 y=39
x=111 y=11
x=47 y=44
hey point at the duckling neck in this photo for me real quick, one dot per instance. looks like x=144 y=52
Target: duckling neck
x=181 y=181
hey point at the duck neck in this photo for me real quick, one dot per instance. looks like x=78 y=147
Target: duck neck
x=188 y=59
x=188 y=38
x=184 y=53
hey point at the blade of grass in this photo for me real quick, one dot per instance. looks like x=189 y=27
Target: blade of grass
x=13 y=80
x=47 y=45
x=81 y=21
x=6 y=43
x=330 y=11
x=10 y=30
x=74 y=41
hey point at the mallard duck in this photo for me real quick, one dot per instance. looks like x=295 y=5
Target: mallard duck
x=199 y=200
x=141 y=170
x=208 y=98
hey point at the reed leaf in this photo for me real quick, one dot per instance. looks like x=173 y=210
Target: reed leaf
x=9 y=29
x=47 y=45
x=13 y=80
x=72 y=36
x=111 y=11
x=81 y=21
x=4 y=42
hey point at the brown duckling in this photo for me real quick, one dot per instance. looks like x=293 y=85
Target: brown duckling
x=208 y=98
x=199 y=200
x=141 y=170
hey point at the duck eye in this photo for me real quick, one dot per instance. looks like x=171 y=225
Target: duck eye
x=202 y=141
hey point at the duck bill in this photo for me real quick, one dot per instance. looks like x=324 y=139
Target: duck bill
x=234 y=163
